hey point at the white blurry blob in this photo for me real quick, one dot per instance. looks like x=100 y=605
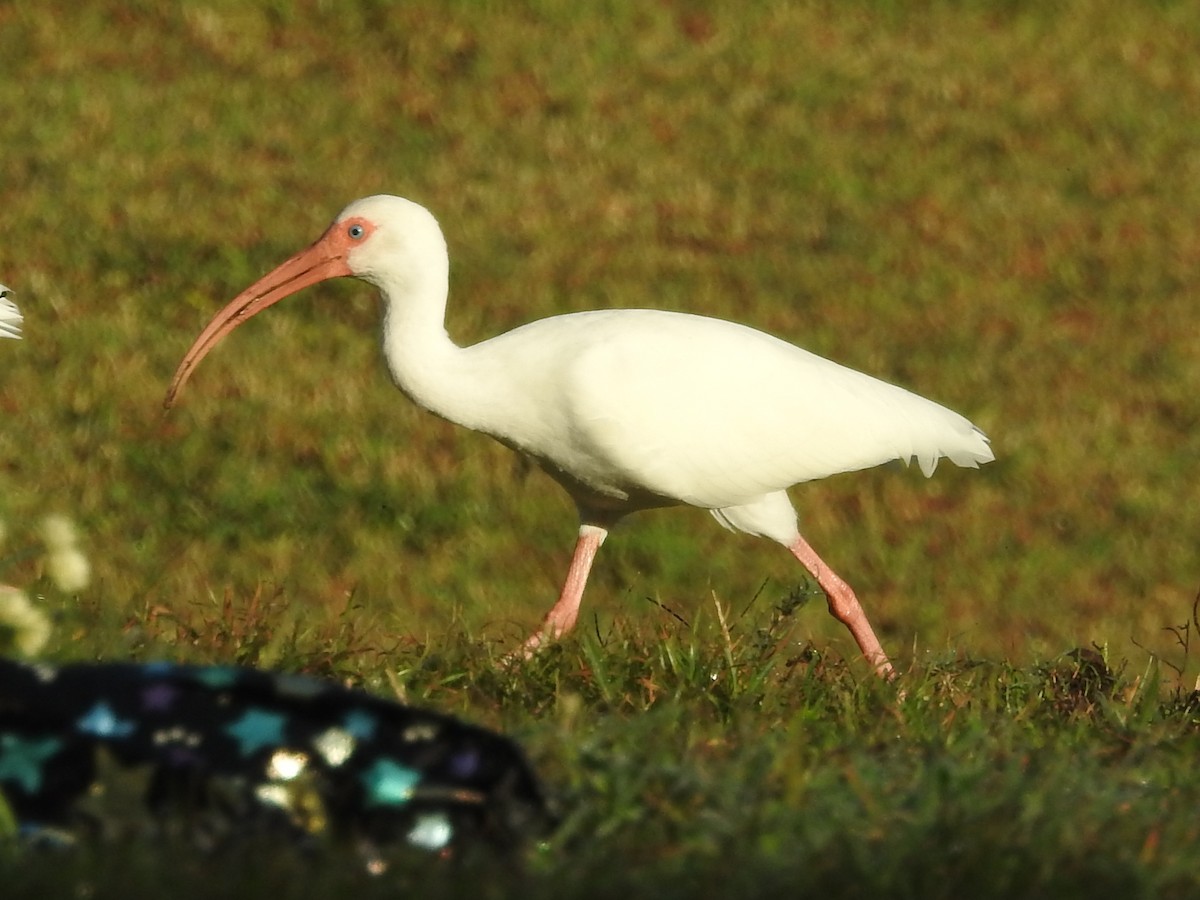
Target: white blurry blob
x=431 y=831
x=59 y=533
x=21 y=623
x=286 y=764
x=70 y=570
x=65 y=563
x=336 y=745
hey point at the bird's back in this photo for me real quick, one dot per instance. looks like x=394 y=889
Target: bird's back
x=710 y=413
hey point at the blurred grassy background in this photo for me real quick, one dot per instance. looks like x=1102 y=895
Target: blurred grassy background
x=994 y=204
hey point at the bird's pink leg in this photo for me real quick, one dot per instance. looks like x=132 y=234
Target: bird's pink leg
x=563 y=614
x=844 y=606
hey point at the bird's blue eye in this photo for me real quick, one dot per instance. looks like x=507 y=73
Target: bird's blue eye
x=356 y=232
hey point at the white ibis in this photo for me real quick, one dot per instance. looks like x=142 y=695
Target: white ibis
x=10 y=316
x=627 y=409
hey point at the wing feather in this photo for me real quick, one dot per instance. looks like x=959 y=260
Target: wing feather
x=714 y=414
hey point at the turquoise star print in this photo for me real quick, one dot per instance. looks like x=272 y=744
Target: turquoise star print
x=257 y=728
x=360 y=724
x=101 y=721
x=217 y=677
x=389 y=784
x=21 y=759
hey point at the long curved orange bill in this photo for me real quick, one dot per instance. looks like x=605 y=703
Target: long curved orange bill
x=324 y=259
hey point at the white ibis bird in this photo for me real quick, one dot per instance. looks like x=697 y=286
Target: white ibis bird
x=10 y=316
x=627 y=409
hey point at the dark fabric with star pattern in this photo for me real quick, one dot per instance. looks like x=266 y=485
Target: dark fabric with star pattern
x=243 y=751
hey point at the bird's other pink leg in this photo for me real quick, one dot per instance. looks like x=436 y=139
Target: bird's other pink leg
x=563 y=614
x=844 y=607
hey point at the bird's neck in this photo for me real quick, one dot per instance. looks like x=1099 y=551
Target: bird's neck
x=424 y=362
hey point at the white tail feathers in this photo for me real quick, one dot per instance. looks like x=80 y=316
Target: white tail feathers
x=970 y=453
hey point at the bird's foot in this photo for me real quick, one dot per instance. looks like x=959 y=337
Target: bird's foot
x=534 y=644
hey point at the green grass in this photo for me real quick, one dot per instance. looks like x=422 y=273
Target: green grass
x=992 y=203
x=704 y=765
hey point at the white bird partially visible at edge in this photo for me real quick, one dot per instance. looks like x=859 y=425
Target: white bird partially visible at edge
x=627 y=409
x=10 y=316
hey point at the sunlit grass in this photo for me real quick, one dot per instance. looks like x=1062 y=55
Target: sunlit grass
x=993 y=204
